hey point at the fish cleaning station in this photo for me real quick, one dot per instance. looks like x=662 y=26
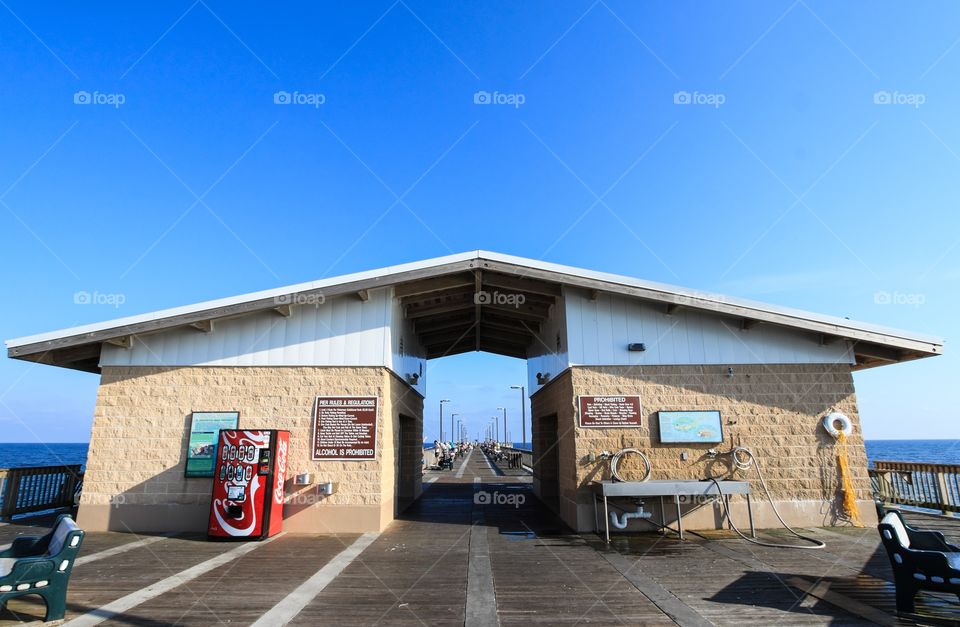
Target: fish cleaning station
x=660 y=417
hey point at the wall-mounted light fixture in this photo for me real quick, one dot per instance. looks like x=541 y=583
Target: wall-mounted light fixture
x=636 y=347
x=413 y=378
x=730 y=372
x=542 y=377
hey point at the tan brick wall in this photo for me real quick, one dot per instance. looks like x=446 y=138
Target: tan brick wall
x=555 y=399
x=776 y=411
x=140 y=430
x=401 y=485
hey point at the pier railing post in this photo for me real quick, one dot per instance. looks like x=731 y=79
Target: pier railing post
x=943 y=492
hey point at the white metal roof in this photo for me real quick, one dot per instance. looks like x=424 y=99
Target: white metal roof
x=670 y=294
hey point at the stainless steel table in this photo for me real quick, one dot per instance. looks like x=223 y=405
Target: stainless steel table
x=603 y=490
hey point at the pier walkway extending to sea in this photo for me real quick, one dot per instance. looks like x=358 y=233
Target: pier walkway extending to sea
x=479 y=549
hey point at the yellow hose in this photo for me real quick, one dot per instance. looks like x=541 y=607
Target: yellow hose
x=846 y=482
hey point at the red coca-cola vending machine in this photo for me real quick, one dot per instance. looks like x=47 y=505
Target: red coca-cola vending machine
x=248 y=483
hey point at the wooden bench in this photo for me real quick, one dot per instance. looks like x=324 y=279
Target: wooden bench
x=921 y=560
x=41 y=565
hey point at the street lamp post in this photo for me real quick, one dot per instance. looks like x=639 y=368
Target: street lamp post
x=504 y=409
x=523 y=412
x=496 y=430
x=453 y=434
x=446 y=400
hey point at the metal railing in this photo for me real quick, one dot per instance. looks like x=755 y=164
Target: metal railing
x=39 y=488
x=518 y=457
x=931 y=486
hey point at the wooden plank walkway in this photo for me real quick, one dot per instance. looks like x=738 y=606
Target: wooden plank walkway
x=479 y=549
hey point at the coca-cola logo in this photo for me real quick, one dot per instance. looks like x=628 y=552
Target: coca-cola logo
x=281 y=471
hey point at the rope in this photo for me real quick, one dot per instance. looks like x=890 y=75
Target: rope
x=846 y=482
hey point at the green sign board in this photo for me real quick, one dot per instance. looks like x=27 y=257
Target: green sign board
x=205 y=429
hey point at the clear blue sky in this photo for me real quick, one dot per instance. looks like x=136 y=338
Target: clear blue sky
x=788 y=178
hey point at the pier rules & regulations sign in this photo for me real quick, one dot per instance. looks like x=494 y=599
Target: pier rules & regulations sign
x=345 y=428
x=609 y=411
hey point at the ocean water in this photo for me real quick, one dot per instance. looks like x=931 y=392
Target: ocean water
x=931 y=451
x=20 y=455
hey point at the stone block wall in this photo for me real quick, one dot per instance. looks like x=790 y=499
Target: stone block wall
x=134 y=478
x=559 y=492
x=775 y=410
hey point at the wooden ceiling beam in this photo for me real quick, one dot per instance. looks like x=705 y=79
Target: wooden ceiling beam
x=519 y=313
x=512 y=336
x=441 y=323
x=435 y=284
x=521 y=285
x=437 y=298
x=74 y=353
x=527 y=326
x=448 y=336
x=413 y=313
x=873 y=351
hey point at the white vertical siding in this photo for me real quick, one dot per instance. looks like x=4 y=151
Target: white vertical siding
x=598 y=333
x=543 y=356
x=344 y=331
x=413 y=359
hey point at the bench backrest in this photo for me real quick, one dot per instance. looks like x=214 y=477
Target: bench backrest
x=896 y=527
x=58 y=538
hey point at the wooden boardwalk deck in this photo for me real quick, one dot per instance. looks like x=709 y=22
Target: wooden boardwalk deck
x=453 y=560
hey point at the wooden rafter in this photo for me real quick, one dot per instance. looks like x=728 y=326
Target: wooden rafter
x=521 y=285
x=436 y=284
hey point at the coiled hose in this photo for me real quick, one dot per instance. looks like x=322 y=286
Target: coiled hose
x=615 y=461
x=743 y=459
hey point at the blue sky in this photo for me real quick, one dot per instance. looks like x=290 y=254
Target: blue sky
x=801 y=153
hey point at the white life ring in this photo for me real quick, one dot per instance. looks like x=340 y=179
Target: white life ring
x=829 y=423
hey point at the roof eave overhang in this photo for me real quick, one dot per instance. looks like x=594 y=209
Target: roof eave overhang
x=877 y=347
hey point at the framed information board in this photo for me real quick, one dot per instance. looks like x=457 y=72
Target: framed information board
x=345 y=428
x=690 y=427
x=202 y=445
x=597 y=412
